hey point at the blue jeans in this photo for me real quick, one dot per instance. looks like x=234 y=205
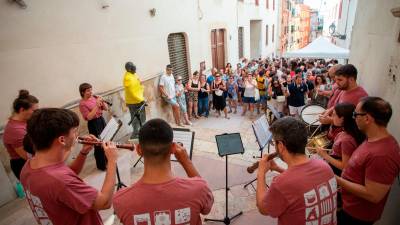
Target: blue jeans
x=203 y=106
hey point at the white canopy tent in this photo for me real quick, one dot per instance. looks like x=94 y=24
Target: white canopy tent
x=319 y=48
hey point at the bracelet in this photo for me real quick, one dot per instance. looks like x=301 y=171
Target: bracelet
x=85 y=154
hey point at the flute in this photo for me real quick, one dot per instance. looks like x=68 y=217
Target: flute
x=81 y=140
x=255 y=165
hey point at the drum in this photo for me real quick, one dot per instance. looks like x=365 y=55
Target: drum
x=310 y=115
x=320 y=140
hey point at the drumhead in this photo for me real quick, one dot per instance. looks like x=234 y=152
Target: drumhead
x=310 y=114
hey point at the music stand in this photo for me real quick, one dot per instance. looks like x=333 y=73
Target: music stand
x=263 y=137
x=186 y=137
x=228 y=144
x=108 y=134
x=274 y=112
x=136 y=115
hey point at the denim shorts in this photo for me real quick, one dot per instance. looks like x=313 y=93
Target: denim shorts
x=171 y=101
x=249 y=100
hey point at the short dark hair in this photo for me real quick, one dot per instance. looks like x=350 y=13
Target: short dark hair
x=83 y=87
x=24 y=100
x=155 y=138
x=378 y=108
x=348 y=70
x=292 y=132
x=47 y=124
x=130 y=67
x=168 y=66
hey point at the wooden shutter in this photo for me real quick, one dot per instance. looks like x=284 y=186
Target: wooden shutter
x=240 y=38
x=178 y=55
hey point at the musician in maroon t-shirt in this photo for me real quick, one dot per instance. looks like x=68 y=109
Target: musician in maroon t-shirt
x=159 y=197
x=350 y=92
x=306 y=192
x=372 y=168
x=54 y=191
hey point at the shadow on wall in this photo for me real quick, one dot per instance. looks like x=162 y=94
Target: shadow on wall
x=157 y=108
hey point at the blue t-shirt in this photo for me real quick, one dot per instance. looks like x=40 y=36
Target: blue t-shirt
x=296 y=97
x=210 y=79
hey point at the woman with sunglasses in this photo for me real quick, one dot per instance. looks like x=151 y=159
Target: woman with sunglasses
x=193 y=88
x=218 y=87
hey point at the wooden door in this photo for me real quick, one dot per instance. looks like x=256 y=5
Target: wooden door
x=218 y=48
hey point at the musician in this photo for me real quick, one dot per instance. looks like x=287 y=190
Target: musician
x=350 y=91
x=15 y=130
x=346 y=141
x=305 y=193
x=159 y=196
x=134 y=97
x=54 y=190
x=91 y=108
x=296 y=94
x=373 y=167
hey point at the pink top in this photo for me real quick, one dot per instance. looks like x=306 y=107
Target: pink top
x=344 y=144
x=303 y=194
x=85 y=106
x=58 y=196
x=377 y=161
x=352 y=96
x=13 y=136
x=178 y=201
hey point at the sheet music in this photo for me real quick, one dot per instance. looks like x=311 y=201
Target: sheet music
x=261 y=130
x=110 y=129
x=185 y=137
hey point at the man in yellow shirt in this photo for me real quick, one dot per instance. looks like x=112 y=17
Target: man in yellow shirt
x=134 y=97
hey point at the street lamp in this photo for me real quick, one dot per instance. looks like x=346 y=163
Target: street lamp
x=332 y=31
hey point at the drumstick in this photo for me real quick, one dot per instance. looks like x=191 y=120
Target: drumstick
x=324 y=149
x=312 y=113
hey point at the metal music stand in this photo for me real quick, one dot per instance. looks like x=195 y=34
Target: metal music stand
x=137 y=116
x=263 y=137
x=108 y=134
x=273 y=112
x=228 y=144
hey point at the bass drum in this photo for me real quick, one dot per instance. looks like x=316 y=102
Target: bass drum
x=310 y=115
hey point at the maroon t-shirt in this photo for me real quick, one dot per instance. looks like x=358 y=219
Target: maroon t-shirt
x=334 y=96
x=179 y=201
x=344 y=144
x=352 y=96
x=13 y=136
x=303 y=194
x=58 y=196
x=377 y=161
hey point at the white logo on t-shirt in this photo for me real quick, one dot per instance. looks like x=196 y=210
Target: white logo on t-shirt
x=162 y=217
x=37 y=208
x=182 y=215
x=320 y=204
x=142 y=219
x=333 y=184
x=323 y=191
x=310 y=198
x=312 y=213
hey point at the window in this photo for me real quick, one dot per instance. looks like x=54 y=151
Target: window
x=178 y=55
x=240 y=38
x=266 y=35
x=273 y=32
